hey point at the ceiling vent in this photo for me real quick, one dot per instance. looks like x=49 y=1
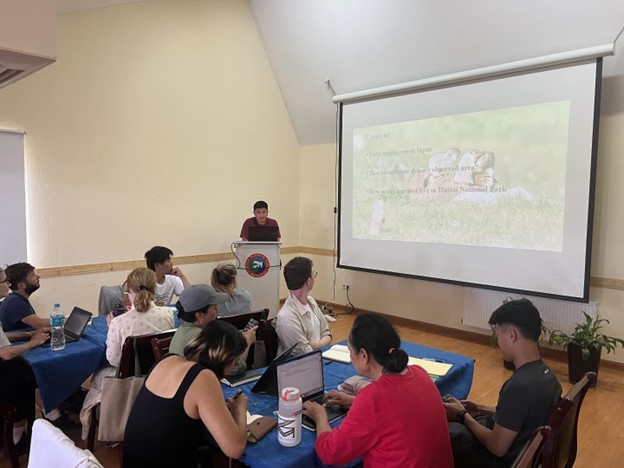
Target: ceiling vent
x=17 y=65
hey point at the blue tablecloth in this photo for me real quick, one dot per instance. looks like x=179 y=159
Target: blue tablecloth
x=268 y=453
x=60 y=373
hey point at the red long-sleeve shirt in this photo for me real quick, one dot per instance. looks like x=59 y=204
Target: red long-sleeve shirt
x=398 y=420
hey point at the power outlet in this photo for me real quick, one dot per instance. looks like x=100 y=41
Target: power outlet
x=346 y=287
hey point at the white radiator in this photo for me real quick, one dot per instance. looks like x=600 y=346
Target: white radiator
x=559 y=315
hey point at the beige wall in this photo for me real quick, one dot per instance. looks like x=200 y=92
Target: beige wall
x=160 y=123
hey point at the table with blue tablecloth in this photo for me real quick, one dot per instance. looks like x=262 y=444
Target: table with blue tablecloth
x=268 y=453
x=60 y=373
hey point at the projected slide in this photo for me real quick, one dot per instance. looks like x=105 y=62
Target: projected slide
x=494 y=178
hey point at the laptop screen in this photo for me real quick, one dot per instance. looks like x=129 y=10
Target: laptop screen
x=77 y=321
x=263 y=233
x=303 y=372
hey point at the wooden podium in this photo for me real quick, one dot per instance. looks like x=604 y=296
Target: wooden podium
x=259 y=266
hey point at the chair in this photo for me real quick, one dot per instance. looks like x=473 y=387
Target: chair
x=7 y=413
x=560 y=448
x=110 y=298
x=533 y=448
x=144 y=358
x=240 y=320
x=51 y=448
x=267 y=334
x=160 y=346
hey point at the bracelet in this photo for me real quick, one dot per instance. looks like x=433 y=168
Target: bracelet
x=460 y=416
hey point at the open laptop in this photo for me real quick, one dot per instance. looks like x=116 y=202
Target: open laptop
x=75 y=325
x=263 y=233
x=306 y=373
x=267 y=384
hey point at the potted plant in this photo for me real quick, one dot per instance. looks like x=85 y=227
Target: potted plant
x=584 y=346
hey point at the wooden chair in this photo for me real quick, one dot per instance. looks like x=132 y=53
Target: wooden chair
x=533 y=448
x=160 y=346
x=266 y=332
x=144 y=359
x=240 y=320
x=561 y=447
x=8 y=413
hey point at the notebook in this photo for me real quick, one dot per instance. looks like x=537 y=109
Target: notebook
x=75 y=325
x=263 y=233
x=267 y=383
x=305 y=372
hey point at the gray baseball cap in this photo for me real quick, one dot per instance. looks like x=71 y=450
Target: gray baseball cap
x=198 y=296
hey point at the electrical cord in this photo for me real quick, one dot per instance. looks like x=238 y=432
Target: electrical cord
x=349 y=308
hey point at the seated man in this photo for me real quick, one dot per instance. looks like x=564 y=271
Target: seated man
x=260 y=218
x=16 y=312
x=300 y=320
x=493 y=437
x=169 y=279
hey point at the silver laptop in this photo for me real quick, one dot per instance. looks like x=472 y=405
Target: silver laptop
x=306 y=373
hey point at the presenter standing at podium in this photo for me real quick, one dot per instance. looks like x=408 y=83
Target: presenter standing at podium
x=260 y=218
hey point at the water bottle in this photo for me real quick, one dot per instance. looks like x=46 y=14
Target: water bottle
x=289 y=417
x=57 y=329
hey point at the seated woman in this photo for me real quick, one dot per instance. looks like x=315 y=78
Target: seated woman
x=17 y=382
x=224 y=280
x=181 y=396
x=143 y=317
x=397 y=420
x=197 y=307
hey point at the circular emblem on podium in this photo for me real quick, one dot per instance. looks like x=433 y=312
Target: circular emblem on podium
x=257 y=265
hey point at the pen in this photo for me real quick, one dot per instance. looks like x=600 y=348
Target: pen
x=237 y=394
x=433 y=360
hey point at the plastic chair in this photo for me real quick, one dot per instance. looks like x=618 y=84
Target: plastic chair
x=561 y=447
x=7 y=413
x=50 y=447
x=533 y=448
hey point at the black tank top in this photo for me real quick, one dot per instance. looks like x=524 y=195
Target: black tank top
x=159 y=433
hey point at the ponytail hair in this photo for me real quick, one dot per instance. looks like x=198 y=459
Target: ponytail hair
x=217 y=346
x=223 y=277
x=143 y=282
x=377 y=336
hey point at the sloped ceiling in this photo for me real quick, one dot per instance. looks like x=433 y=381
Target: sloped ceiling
x=361 y=44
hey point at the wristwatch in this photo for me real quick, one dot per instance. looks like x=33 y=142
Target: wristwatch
x=460 y=416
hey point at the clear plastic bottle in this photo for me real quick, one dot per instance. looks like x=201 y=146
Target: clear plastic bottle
x=289 y=417
x=57 y=329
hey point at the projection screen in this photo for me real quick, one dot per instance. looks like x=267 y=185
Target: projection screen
x=486 y=184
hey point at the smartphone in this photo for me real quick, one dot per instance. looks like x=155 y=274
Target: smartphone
x=252 y=323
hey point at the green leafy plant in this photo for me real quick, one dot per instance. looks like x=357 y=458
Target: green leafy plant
x=586 y=335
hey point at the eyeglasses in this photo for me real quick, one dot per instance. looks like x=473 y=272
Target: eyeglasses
x=6 y=280
x=314 y=273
